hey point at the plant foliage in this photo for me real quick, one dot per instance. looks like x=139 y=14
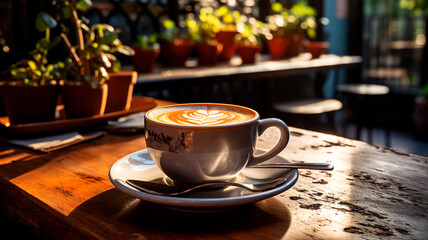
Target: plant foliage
x=147 y=41
x=249 y=31
x=92 y=56
x=35 y=70
x=283 y=21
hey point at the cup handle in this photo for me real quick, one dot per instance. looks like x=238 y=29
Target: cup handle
x=282 y=143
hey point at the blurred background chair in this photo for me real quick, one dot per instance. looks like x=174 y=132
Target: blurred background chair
x=301 y=102
x=365 y=104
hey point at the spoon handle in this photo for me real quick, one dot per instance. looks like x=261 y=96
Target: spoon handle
x=313 y=166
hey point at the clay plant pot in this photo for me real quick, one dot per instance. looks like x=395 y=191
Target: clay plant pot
x=144 y=60
x=420 y=115
x=120 y=89
x=175 y=53
x=296 y=45
x=28 y=104
x=227 y=39
x=165 y=51
x=278 y=47
x=84 y=101
x=208 y=53
x=317 y=48
x=248 y=53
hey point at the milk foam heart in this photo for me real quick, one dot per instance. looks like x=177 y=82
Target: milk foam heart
x=203 y=115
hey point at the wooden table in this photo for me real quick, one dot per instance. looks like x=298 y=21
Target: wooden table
x=372 y=193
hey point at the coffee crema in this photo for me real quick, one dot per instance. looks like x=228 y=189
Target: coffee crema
x=202 y=115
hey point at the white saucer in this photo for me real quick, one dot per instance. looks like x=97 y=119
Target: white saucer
x=139 y=166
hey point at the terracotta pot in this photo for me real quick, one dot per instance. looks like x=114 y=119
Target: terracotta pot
x=120 y=89
x=420 y=114
x=207 y=53
x=176 y=53
x=296 y=45
x=83 y=101
x=165 y=51
x=248 y=53
x=27 y=104
x=227 y=39
x=317 y=48
x=144 y=59
x=278 y=47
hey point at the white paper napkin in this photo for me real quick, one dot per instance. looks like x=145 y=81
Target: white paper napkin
x=56 y=142
x=128 y=124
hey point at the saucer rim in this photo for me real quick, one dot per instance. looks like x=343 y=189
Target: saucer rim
x=198 y=203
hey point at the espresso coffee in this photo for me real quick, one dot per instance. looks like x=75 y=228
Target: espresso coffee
x=202 y=114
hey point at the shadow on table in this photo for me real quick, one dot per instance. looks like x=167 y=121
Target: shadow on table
x=132 y=217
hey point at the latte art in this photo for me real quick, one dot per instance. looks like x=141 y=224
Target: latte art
x=204 y=115
x=200 y=117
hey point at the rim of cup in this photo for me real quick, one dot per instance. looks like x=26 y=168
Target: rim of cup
x=255 y=118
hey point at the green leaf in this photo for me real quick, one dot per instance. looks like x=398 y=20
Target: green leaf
x=311 y=33
x=221 y=11
x=277 y=7
x=105 y=48
x=66 y=12
x=116 y=66
x=14 y=72
x=228 y=19
x=103 y=72
x=142 y=41
x=92 y=36
x=83 y=5
x=50 y=68
x=44 y=21
x=103 y=27
x=126 y=50
x=168 y=24
x=105 y=60
x=85 y=27
x=109 y=38
x=32 y=65
x=153 y=38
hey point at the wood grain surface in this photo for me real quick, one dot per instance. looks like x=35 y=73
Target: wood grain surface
x=373 y=193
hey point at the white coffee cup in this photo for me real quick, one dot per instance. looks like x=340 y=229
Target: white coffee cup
x=207 y=142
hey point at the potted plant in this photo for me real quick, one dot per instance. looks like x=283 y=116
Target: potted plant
x=248 y=39
x=301 y=22
x=227 y=32
x=420 y=113
x=175 y=47
x=147 y=50
x=319 y=45
x=105 y=41
x=203 y=34
x=286 y=28
x=32 y=94
x=85 y=91
x=274 y=31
